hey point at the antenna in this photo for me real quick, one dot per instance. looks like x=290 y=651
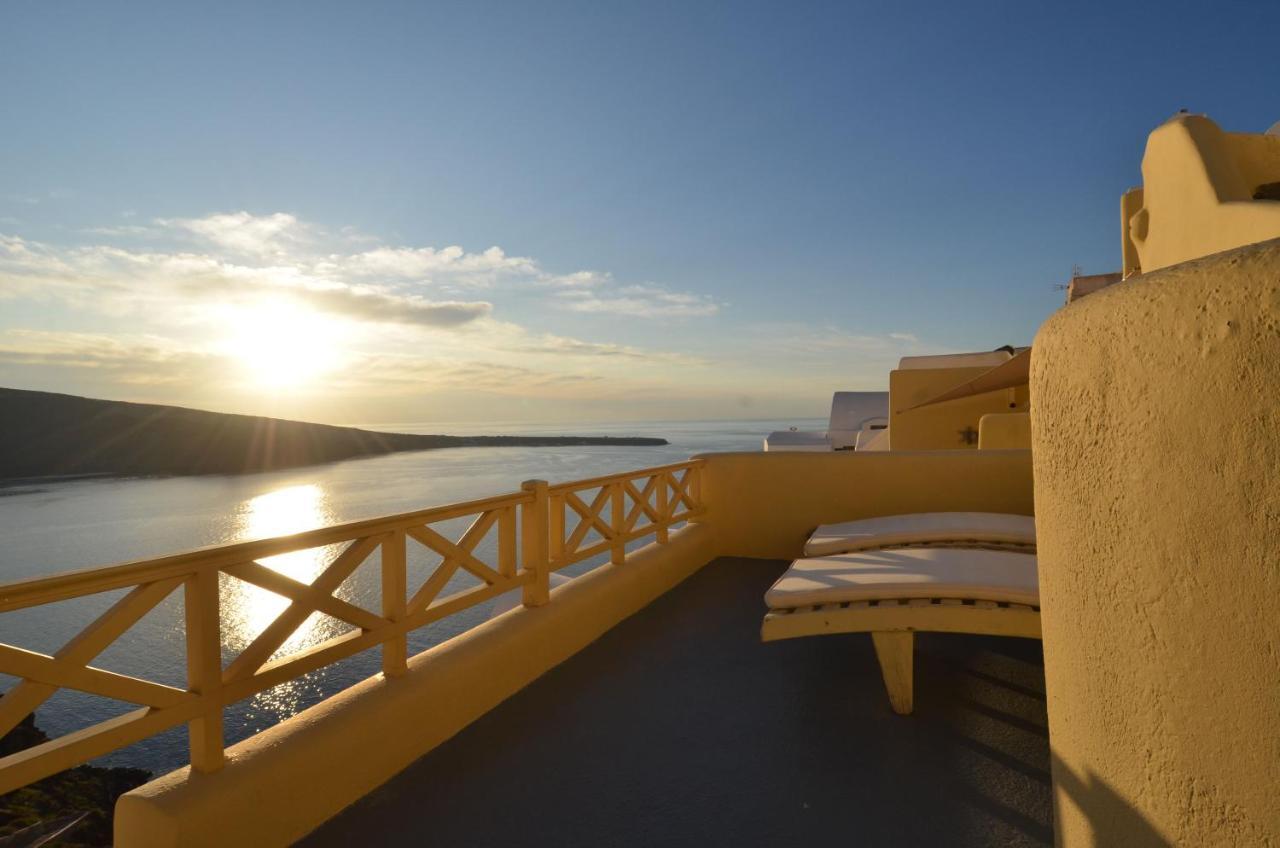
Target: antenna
x=1076 y=273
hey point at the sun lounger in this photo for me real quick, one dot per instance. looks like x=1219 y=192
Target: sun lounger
x=891 y=593
x=960 y=529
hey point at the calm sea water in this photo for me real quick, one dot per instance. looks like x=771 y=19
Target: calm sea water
x=58 y=526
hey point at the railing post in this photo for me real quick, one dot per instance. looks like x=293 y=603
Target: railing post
x=534 y=532
x=395 y=651
x=507 y=542
x=664 y=520
x=204 y=668
x=555 y=552
x=618 y=524
x=695 y=490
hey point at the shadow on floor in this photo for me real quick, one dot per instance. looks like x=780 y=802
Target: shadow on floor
x=679 y=727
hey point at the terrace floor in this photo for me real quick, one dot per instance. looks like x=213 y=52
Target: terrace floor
x=679 y=727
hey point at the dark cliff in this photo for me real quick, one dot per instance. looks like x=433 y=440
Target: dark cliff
x=44 y=434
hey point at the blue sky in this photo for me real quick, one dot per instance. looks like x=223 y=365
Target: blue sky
x=702 y=209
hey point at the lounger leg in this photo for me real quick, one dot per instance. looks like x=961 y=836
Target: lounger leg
x=896 y=650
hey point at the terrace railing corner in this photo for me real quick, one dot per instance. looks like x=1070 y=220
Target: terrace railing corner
x=533 y=540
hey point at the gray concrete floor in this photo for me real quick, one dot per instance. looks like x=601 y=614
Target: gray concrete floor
x=679 y=727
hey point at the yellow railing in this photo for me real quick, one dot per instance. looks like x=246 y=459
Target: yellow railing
x=662 y=495
x=531 y=542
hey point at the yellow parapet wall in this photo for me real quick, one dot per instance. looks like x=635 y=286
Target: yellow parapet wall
x=1204 y=191
x=766 y=504
x=1157 y=442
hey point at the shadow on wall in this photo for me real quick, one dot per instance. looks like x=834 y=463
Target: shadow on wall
x=1113 y=820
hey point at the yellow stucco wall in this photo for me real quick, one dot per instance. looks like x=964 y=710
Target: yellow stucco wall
x=1197 y=196
x=1156 y=437
x=949 y=425
x=767 y=504
x=1004 y=431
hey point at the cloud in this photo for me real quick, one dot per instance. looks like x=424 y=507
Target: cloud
x=369 y=305
x=241 y=232
x=125 y=230
x=562 y=346
x=116 y=280
x=246 y=255
x=128 y=359
x=640 y=301
x=427 y=263
x=824 y=341
x=170 y=302
x=580 y=279
x=144 y=360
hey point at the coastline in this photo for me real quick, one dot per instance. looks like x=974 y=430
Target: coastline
x=46 y=436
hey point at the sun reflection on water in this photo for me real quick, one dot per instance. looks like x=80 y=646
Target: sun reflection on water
x=249 y=609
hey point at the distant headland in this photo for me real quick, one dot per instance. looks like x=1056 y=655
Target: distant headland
x=44 y=434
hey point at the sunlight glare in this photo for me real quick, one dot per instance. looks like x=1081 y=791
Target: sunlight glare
x=283 y=345
x=248 y=609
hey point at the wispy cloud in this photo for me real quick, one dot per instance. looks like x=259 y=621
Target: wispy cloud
x=429 y=264
x=125 y=230
x=241 y=232
x=639 y=301
x=244 y=254
x=127 y=359
x=143 y=362
x=115 y=279
x=562 y=346
x=181 y=307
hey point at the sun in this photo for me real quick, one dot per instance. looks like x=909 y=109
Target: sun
x=283 y=345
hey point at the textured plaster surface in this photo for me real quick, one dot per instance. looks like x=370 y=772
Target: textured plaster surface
x=1156 y=444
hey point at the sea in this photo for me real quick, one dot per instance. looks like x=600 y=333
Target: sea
x=52 y=526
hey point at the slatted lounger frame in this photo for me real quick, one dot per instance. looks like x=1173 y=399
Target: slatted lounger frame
x=893 y=623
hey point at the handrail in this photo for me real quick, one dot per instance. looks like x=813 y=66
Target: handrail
x=41 y=590
x=681 y=480
x=530 y=544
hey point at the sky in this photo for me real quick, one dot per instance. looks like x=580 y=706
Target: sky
x=386 y=212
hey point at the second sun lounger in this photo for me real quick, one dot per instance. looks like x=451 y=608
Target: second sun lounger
x=892 y=593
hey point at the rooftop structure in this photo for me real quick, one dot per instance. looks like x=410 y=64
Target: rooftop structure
x=636 y=704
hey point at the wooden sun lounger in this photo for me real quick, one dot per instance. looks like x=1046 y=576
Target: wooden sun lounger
x=893 y=592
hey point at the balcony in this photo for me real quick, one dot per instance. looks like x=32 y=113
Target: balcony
x=634 y=703
x=678 y=727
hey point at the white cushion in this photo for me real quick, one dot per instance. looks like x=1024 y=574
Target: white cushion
x=965 y=573
x=867 y=533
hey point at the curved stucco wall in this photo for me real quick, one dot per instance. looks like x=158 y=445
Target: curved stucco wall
x=1156 y=444
x=1197 y=195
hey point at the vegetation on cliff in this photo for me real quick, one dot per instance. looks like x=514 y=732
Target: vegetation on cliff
x=82 y=790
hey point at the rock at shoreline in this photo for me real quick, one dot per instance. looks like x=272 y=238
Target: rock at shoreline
x=83 y=789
